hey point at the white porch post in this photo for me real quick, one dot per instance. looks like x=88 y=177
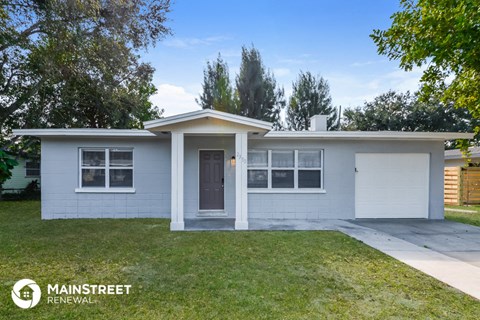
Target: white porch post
x=241 y=198
x=177 y=222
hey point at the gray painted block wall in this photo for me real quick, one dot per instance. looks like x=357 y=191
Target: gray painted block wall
x=152 y=179
x=339 y=179
x=60 y=177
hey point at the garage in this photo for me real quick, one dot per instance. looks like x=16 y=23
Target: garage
x=392 y=185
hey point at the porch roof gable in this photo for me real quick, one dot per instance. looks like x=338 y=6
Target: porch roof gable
x=207 y=120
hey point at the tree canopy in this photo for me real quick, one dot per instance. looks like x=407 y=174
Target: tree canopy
x=406 y=112
x=311 y=96
x=256 y=90
x=444 y=36
x=73 y=63
x=217 y=90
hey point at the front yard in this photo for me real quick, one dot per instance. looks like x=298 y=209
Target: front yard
x=210 y=275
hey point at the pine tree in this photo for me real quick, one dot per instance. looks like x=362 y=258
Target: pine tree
x=256 y=90
x=311 y=96
x=217 y=90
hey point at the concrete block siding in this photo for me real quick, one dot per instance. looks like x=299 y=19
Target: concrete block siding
x=60 y=178
x=152 y=178
x=339 y=179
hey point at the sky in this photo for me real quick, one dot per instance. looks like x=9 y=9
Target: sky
x=327 y=38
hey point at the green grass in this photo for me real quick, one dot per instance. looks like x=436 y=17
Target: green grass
x=469 y=218
x=212 y=275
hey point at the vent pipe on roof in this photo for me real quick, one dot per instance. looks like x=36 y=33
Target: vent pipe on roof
x=318 y=123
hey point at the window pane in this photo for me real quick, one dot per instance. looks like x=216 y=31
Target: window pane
x=257 y=178
x=282 y=159
x=32 y=169
x=282 y=178
x=309 y=179
x=257 y=158
x=93 y=158
x=121 y=178
x=32 y=172
x=309 y=159
x=93 y=178
x=121 y=158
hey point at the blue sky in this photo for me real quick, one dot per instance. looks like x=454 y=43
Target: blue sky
x=329 y=38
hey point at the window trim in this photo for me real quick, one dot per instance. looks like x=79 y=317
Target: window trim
x=34 y=175
x=295 y=170
x=106 y=167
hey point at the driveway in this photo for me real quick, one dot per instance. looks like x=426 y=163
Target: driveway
x=453 y=239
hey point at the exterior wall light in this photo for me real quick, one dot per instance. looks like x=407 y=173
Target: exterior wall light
x=233 y=161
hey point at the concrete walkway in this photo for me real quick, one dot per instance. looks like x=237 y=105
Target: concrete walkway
x=452 y=271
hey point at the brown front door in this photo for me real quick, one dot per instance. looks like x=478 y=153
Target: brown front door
x=211 y=180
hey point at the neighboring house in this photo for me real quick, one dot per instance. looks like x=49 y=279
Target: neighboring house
x=210 y=164
x=26 y=171
x=455 y=158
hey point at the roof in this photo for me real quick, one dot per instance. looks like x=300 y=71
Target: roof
x=369 y=135
x=206 y=113
x=84 y=132
x=197 y=121
x=457 y=153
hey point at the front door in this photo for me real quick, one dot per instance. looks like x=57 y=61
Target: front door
x=211 y=180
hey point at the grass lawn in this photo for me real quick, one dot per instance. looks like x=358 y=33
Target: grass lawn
x=469 y=218
x=211 y=275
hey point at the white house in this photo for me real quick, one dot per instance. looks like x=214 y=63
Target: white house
x=210 y=164
x=26 y=171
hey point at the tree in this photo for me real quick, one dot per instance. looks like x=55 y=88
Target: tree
x=311 y=96
x=74 y=63
x=406 y=112
x=443 y=35
x=256 y=90
x=217 y=90
x=6 y=166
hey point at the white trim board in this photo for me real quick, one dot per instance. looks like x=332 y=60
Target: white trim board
x=184 y=117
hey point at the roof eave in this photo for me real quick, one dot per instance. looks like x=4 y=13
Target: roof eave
x=83 y=133
x=369 y=135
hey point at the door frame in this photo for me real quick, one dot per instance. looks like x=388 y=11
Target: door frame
x=210 y=212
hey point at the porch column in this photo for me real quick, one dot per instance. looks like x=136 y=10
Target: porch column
x=177 y=222
x=241 y=197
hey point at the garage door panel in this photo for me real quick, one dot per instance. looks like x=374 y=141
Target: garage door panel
x=392 y=185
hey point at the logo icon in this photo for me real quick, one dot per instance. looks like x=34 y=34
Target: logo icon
x=26 y=293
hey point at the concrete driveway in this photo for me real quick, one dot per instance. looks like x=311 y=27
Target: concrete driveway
x=453 y=239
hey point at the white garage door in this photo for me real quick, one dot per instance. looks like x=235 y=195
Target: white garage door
x=391 y=185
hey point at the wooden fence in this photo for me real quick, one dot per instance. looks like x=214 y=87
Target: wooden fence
x=462 y=185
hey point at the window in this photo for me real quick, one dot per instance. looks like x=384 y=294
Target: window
x=309 y=168
x=106 y=168
x=32 y=168
x=285 y=169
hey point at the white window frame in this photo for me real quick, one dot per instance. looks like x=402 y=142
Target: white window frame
x=295 y=170
x=107 y=167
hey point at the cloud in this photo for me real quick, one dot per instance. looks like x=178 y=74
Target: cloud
x=301 y=59
x=404 y=81
x=353 y=89
x=183 y=43
x=368 y=63
x=281 y=72
x=174 y=99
